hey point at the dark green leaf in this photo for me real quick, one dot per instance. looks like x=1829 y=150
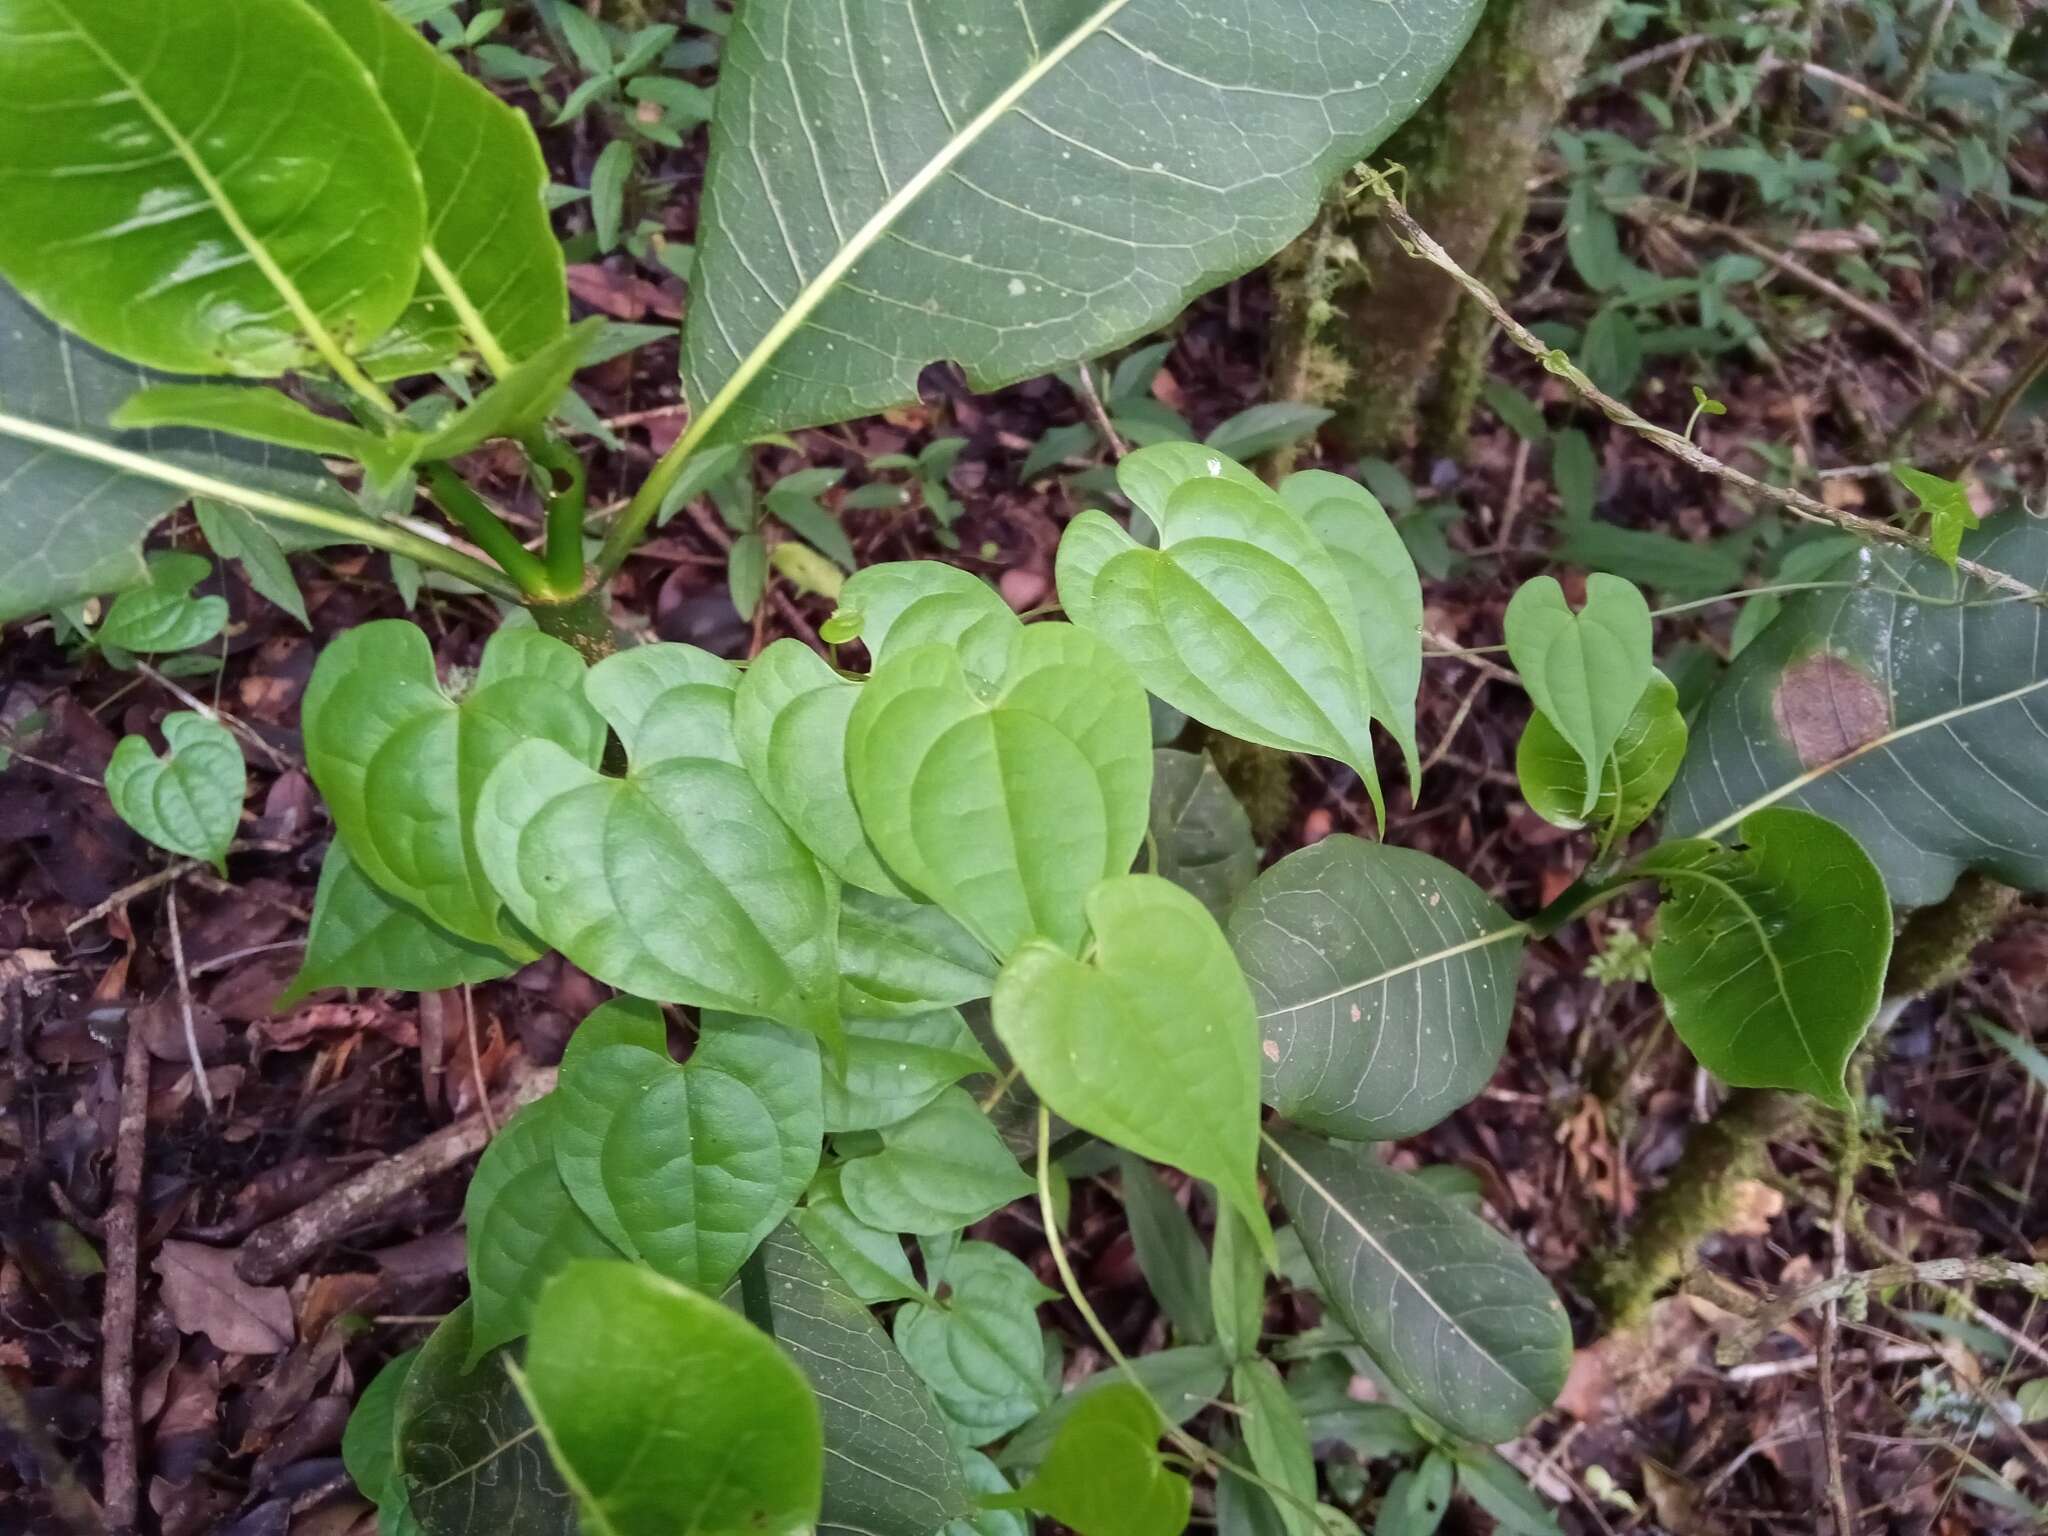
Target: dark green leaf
x=618 y=1052
x=938 y=1171
x=1277 y=1441
x=1182 y=1381
x=164 y=615
x=900 y=957
x=235 y=534
x=895 y=1066
x=1584 y=671
x=1259 y=429
x=1169 y=1250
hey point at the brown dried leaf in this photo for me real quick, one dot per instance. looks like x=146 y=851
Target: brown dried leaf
x=203 y=1294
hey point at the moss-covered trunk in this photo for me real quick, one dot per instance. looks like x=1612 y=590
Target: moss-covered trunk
x=1468 y=155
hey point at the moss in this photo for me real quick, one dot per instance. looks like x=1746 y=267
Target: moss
x=1262 y=778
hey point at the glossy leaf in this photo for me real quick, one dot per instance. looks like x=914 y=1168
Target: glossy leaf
x=1586 y=670
x=901 y=957
x=491 y=270
x=979 y=1349
x=402 y=766
x=947 y=769
x=906 y=603
x=617 y=1053
x=188 y=801
x=1151 y=1044
x=1276 y=1439
x=364 y=937
x=1633 y=777
x=1181 y=1381
x=1452 y=1311
x=668 y=1411
x=870 y=1262
x=1948 y=509
x=234 y=533
x=1104 y=1475
x=1771 y=958
x=73 y=519
x=1917 y=722
x=893 y=1067
x=704 y=1162
x=938 y=1171
x=1241 y=617
x=268 y=416
x=1199 y=836
x=163 y=207
x=1384 y=981
x=890 y=1468
x=789 y=717
x=164 y=615
x=678 y=882
x=1012 y=211
x=469 y=1459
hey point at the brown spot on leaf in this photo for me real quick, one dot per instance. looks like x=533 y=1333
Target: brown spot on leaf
x=1827 y=708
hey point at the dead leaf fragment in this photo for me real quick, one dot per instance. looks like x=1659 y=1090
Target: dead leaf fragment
x=203 y=1294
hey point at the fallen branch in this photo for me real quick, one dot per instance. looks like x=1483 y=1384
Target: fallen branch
x=274 y=1252
x=1740 y=1344
x=1423 y=247
x=118 y=1486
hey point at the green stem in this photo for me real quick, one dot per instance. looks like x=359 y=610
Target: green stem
x=563 y=478
x=451 y=493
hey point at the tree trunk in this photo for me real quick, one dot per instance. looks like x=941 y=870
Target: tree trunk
x=1468 y=155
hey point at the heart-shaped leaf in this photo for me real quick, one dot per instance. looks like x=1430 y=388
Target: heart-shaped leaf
x=1633 y=778
x=895 y=1066
x=789 y=717
x=164 y=615
x=904 y=957
x=1452 y=1311
x=1200 y=837
x=1384 y=980
x=942 y=1169
x=946 y=768
x=1241 y=618
x=1182 y=1382
x=401 y=765
x=1771 y=958
x=491 y=268
x=617 y=1053
x=1585 y=670
x=1152 y=1043
x=667 y=701
x=669 y=1411
x=980 y=1351
x=703 y=1162
x=362 y=936
x=906 y=603
x=189 y=801
x=1104 y=1475
x=267 y=240
x=870 y=1261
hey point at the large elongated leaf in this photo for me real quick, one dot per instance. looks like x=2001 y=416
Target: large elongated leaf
x=1453 y=1312
x=889 y=1468
x=71 y=523
x=491 y=271
x=202 y=188
x=402 y=765
x=1771 y=958
x=1911 y=709
x=1013 y=192
x=1384 y=980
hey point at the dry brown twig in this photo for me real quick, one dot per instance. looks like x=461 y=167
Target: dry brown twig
x=118 y=1485
x=185 y=1001
x=1737 y=1347
x=1423 y=247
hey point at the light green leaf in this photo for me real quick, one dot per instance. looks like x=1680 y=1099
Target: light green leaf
x=491 y=271
x=890 y=1469
x=163 y=207
x=901 y=957
x=1011 y=211
x=1276 y=1440
x=942 y=1169
x=77 y=506
x=469 y=1461
x=402 y=766
x=946 y=766
x=522 y=1228
x=520 y=400
x=1261 y=428
x=1910 y=709
x=234 y=534
x=705 y=1161
x=1237 y=1287
x=1417 y=1500
x=979 y=1349
x=1386 y=592
x=268 y=416
x=667 y=1411
x=1584 y=671
x=984 y=1476
x=1771 y=958
x=1241 y=618
x=1452 y=1311
x=1153 y=1043
x=907 y=603
x=746 y=573
x=1104 y=1475
x=667 y=701
x=188 y=801
x=1504 y=1493
x=1181 y=1381
x=164 y=615
x=1199 y=835
x=1170 y=1252
x=618 y=1052
x=789 y=717
x=871 y=1262
x=1948 y=509
x=364 y=937
x=895 y=1066
x=1633 y=778
x=1384 y=980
